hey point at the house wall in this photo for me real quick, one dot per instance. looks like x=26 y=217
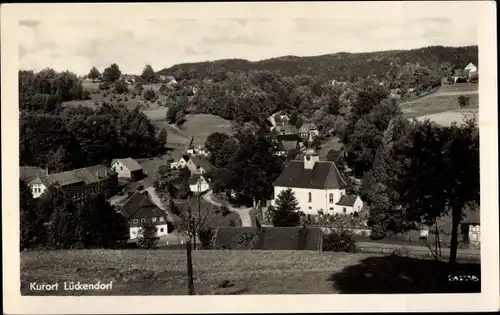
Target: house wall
x=320 y=200
x=203 y=186
x=37 y=190
x=122 y=171
x=161 y=230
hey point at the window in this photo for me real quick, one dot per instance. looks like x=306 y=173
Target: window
x=161 y=230
x=143 y=220
x=331 y=209
x=310 y=197
x=330 y=198
x=162 y=219
x=134 y=232
x=310 y=208
x=121 y=168
x=154 y=219
x=345 y=210
x=135 y=221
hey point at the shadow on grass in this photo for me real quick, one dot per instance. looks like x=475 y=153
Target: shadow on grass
x=394 y=274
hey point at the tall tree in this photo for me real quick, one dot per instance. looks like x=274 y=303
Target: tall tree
x=32 y=231
x=111 y=73
x=148 y=75
x=441 y=174
x=286 y=212
x=94 y=74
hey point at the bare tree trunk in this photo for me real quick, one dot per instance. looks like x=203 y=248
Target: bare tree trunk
x=189 y=268
x=454 y=237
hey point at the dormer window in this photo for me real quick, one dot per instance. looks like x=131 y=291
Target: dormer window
x=310 y=197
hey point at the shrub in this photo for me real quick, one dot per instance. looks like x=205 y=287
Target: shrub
x=206 y=237
x=376 y=235
x=355 y=214
x=225 y=210
x=363 y=233
x=339 y=242
x=141 y=187
x=149 y=95
x=104 y=86
x=125 y=99
x=120 y=87
x=402 y=252
x=147 y=238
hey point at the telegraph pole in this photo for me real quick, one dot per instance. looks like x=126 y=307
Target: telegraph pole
x=189 y=258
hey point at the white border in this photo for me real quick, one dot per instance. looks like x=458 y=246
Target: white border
x=15 y=303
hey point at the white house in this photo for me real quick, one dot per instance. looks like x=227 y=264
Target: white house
x=308 y=129
x=140 y=208
x=127 y=168
x=198 y=183
x=471 y=67
x=318 y=186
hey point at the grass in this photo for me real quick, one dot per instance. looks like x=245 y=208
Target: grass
x=434 y=104
x=333 y=143
x=163 y=272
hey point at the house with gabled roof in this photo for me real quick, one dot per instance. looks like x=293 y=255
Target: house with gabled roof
x=139 y=209
x=127 y=168
x=308 y=129
x=318 y=186
x=78 y=184
x=198 y=164
x=288 y=144
x=198 y=184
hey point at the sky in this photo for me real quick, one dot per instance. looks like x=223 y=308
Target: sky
x=78 y=44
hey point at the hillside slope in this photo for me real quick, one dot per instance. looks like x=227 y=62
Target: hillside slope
x=340 y=66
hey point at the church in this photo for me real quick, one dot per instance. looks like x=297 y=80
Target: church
x=318 y=186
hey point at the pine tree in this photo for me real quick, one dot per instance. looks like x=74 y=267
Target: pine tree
x=286 y=212
x=147 y=236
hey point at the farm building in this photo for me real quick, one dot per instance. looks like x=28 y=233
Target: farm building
x=79 y=183
x=269 y=238
x=289 y=143
x=195 y=164
x=285 y=129
x=127 y=168
x=140 y=208
x=317 y=185
x=471 y=228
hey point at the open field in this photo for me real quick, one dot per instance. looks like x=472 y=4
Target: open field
x=443 y=100
x=199 y=126
x=163 y=272
x=447 y=118
x=332 y=143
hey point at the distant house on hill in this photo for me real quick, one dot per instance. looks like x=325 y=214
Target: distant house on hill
x=127 y=168
x=285 y=129
x=318 y=186
x=27 y=173
x=308 y=129
x=78 y=184
x=139 y=208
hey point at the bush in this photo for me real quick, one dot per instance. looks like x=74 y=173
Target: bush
x=120 y=87
x=402 y=252
x=355 y=214
x=147 y=238
x=225 y=210
x=104 y=86
x=149 y=95
x=339 y=242
x=206 y=237
x=376 y=235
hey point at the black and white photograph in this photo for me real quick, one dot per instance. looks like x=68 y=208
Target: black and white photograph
x=203 y=154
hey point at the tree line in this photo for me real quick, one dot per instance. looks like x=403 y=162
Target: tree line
x=80 y=136
x=54 y=221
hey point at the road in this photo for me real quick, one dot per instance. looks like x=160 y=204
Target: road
x=244 y=213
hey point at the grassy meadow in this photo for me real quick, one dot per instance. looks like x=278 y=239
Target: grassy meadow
x=163 y=272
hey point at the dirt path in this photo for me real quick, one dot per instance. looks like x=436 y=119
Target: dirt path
x=244 y=213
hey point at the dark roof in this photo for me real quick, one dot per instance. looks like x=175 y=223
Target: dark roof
x=86 y=175
x=203 y=162
x=289 y=145
x=290 y=137
x=129 y=163
x=347 y=200
x=323 y=175
x=27 y=173
x=472 y=216
x=140 y=206
x=271 y=238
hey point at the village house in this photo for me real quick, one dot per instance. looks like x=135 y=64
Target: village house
x=288 y=144
x=308 y=129
x=198 y=184
x=470 y=228
x=128 y=78
x=195 y=164
x=278 y=118
x=27 y=173
x=128 y=169
x=197 y=150
x=318 y=186
x=78 y=184
x=139 y=209
x=285 y=129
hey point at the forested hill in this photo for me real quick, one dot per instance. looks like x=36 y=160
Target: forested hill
x=383 y=65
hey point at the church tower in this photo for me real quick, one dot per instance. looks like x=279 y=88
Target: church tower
x=310 y=155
